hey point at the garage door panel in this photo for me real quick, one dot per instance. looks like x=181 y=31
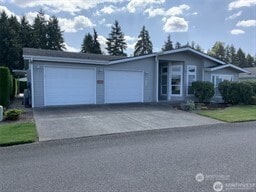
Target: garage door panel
x=123 y=86
x=69 y=86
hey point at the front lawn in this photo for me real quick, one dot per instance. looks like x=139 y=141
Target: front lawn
x=232 y=114
x=17 y=133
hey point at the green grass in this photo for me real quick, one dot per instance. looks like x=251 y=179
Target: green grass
x=232 y=114
x=17 y=133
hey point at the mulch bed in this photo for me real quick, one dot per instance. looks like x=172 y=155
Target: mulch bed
x=26 y=116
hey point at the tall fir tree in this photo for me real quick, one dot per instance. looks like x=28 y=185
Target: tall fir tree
x=144 y=45
x=26 y=33
x=40 y=31
x=91 y=44
x=177 y=45
x=232 y=52
x=218 y=51
x=240 y=58
x=96 y=44
x=249 y=61
x=10 y=47
x=168 y=44
x=116 y=44
x=55 y=39
x=87 y=45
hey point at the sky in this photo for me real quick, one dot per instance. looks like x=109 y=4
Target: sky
x=202 y=21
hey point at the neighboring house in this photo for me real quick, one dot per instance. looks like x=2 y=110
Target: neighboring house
x=64 y=78
x=248 y=76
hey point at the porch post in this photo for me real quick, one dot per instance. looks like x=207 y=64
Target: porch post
x=157 y=74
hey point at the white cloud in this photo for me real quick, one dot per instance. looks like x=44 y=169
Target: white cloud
x=63 y=5
x=32 y=15
x=246 y=23
x=237 y=32
x=7 y=11
x=71 y=49
x=131 y=41
x=77 y=23
x=235 y=15
x=241 y=3
x=134 y=4
x=102 y=40
x=195 y=13
x=109 y=25
x=102 y=21
x=173 y=11
x=108 y=9
x=175 y=24
x=154 y=12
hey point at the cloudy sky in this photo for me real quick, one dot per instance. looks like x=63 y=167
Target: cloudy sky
x=202 y=21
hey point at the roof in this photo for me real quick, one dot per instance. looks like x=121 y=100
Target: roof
x=65 y=54
x=214 y=68
x=251 y=74
x=88 y=58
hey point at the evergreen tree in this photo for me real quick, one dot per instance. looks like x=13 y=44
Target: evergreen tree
x=116 y=44
x=26 y=33
x=198 y=48
x=168 y=44
x=55 y=39
x=96 y=44
x=144 y=45
x=227 y=54
x=218 y=51
x=91 y=44
x=40 y=31
x=193 y=45
x=87 y=46
x=10 y=48
x=177 y=45
x=240 y=58
x=249 y=60
x=232 y=52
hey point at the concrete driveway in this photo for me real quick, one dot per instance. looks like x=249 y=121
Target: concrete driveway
x=79 y=121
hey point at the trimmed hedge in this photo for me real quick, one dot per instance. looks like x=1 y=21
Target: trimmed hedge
x=236 y=92
x=5 y=85
x=204 y=91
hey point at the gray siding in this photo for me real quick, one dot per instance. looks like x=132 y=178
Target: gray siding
x=146 y=65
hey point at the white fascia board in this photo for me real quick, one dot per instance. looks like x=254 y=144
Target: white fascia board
x=194 y=51
x=132 y=58
x=225 y=66
x=65 y=60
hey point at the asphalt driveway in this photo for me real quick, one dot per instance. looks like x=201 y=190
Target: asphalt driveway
x=79 y=121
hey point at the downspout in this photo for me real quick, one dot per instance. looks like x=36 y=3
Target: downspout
x=157 y=74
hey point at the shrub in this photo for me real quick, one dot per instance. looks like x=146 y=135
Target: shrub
x=253 y=100
x=22 y=85
x=4 y=86
x=245 y=92
x=11 y=86
x=204 y=91
x=189 y=106
x=253 y=84
x=14 y=87
x=236 y=92
x=13 y=114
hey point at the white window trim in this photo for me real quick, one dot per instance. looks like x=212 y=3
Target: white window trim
x=215 y=75
x=161 y=86
x=181 y=82
x=188 y=75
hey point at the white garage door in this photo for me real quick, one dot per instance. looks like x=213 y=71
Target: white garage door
x=69 y=86
x=124 y=86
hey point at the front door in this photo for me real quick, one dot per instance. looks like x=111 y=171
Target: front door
x=176 y=80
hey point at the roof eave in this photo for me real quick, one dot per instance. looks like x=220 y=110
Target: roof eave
x=65 y=60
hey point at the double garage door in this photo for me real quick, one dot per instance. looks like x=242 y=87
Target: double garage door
x=74 y=86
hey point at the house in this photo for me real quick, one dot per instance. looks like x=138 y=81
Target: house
x=248 y=76
x=65 y=78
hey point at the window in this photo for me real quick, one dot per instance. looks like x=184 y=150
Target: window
x=163 y=80
x=191 y=77
x=217 y=78
x=176 y=80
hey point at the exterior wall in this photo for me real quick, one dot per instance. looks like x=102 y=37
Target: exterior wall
x=185 y=59
x=146 y=65
x=221 y=72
